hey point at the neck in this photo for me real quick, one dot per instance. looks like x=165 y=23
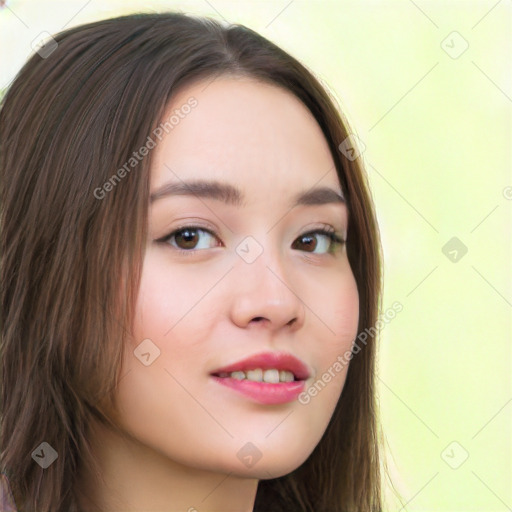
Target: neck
x=136 y=478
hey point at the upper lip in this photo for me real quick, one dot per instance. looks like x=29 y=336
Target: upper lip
x=267 y=361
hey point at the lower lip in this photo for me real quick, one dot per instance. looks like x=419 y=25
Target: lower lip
x=264 y=392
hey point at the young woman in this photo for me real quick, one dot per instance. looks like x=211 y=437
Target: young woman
x=189 y=253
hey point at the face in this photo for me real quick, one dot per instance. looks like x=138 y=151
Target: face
x=248 y=287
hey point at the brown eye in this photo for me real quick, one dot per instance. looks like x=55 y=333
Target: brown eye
x=189 y=238
x=323 y=240
x=309 y=243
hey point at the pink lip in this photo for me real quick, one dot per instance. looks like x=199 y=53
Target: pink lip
x=264 y=392
x=267 y=361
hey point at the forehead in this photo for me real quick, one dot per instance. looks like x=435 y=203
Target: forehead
x=257 y=136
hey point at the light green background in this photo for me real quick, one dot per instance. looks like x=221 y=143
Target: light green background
x=437 y=132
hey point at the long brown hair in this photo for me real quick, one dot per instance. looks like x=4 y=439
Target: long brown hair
x=70 y=262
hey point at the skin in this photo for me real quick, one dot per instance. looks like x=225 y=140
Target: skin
x=211 y=308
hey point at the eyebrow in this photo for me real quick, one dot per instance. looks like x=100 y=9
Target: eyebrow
x=232 y=195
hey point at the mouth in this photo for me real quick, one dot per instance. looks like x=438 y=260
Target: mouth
x=267 y=378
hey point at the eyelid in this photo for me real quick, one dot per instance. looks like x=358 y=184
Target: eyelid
x=190 y=224
x=337 y=238
x=191 y=227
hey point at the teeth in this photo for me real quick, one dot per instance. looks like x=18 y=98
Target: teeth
x=285 y=376
x=255 y=375
x=271 y=376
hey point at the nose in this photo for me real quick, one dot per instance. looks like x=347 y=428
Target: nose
x=264 y=295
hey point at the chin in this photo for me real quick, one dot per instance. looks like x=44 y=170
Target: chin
x=270 y=467
x=261 y=459
x=273 y=459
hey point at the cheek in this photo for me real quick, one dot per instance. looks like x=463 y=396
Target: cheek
x=333 y=354
x=161 y=299
x=168 y=300
x=157 y=402
x=346 y=311
x=175 y=311
x=339 y=310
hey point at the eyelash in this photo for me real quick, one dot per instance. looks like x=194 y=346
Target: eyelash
x=328 y=231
